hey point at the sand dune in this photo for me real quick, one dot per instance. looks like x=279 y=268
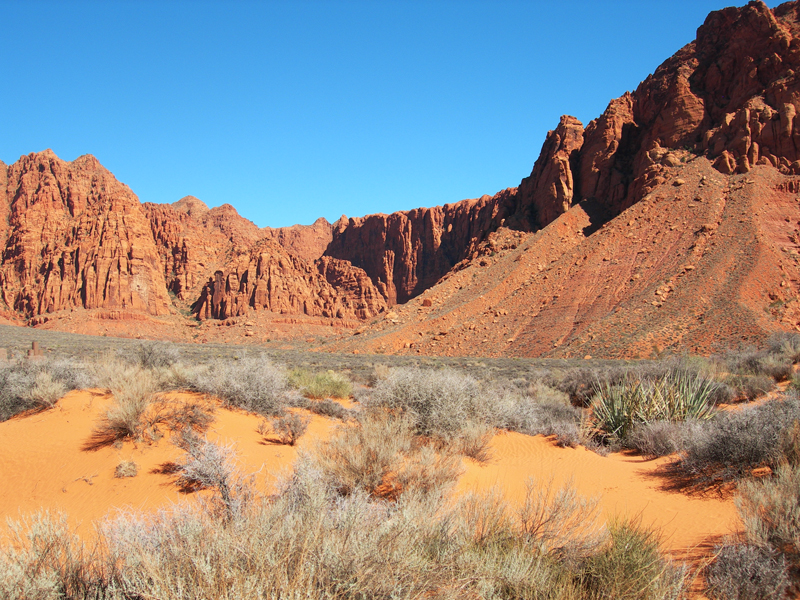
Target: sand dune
x=44 y=465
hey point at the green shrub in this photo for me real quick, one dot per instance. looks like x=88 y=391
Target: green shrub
x=317 y=386
x=617 y=409
x=631 y=566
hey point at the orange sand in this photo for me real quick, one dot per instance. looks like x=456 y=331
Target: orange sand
x=626 y=485
x=43 y=465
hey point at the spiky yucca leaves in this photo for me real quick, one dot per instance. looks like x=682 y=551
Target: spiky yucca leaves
x=677 y=396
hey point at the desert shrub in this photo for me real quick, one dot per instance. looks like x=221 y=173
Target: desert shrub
x=661 y=438
x=127 y=468
x=546 y=412
x=746 y=572
x=764 y=363
x=289 y=428
x=379 y=455
x=38 y=384
x=785 y=344
x=308 y=541
x=133 y=391
x=733 y=443
x=328 y=384
x=45 y=390
x=749 y=386
x=560 y=521
x=617 y=409
x=329 y=408
x=631 y=566
x=210 y=465
x=252 y=382
x=436 y=402
x=580 y=384
x=43 y=560
x=151 y=354
x=474 y=441
x=770 y=510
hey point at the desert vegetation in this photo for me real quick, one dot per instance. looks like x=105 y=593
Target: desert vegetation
x=374 y=498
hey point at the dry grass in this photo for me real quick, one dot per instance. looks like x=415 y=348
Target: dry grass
x=127 y=468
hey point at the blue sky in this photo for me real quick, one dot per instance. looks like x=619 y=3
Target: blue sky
x=294 y=110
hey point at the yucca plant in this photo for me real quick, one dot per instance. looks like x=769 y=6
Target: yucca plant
x=676 y=396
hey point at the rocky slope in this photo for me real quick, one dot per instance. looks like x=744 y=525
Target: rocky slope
x=731 y=95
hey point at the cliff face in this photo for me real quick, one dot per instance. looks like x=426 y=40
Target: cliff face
x=194 y=241
x=268 y=277
x=404 y=253
x=306 y=241
x=76 y=238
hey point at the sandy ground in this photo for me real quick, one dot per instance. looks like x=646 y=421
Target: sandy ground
x=44 y=464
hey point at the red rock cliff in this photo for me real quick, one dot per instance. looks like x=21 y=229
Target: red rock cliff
x=76 y=238
x=405 y=253
x=268 y=277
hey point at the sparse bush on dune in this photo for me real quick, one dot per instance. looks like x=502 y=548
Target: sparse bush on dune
x=437 y=402
x=733 y=443
x=286 y=429
x=127 y=468
x=38 y=384
x=745 y=572
x=211 y=465
x=380 y=456
x=252 y=382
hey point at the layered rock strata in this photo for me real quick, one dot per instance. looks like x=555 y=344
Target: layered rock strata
x=271 y=278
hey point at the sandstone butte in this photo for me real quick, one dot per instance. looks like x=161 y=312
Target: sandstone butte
x=670 y=222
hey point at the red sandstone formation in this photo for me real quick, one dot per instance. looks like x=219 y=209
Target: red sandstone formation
x=269 y=277
x=406 y=252
x=306 y=241
x=76 y=238
x=669 y=222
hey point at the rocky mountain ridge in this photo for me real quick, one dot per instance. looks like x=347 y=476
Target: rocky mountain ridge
x=670 y=217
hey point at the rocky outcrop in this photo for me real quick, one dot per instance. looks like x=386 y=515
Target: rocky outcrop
x=405 y=253
x=306 y=241
x=77 y=238
x=731 y=95
x=550 y=189
x=268 y=277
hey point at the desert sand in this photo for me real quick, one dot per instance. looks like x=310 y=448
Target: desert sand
x=45 y=465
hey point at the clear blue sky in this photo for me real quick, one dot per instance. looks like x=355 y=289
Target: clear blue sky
x=294 y=110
